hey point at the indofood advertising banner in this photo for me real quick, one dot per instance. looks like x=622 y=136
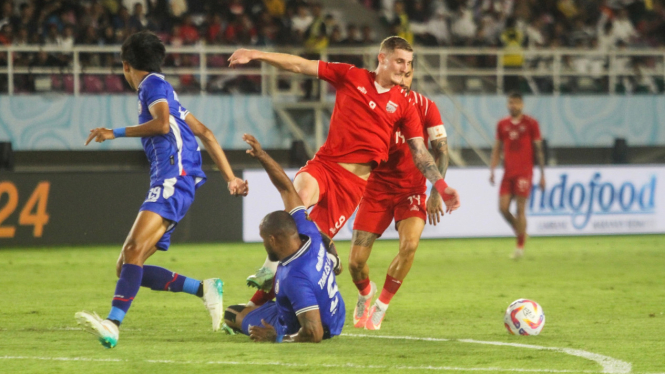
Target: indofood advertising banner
x=592 y=200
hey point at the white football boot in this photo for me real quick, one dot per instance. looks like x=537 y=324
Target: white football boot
x=213 y=299
x=106 y=331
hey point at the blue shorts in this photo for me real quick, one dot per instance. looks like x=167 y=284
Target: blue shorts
x=171 y=199
x=268 y=312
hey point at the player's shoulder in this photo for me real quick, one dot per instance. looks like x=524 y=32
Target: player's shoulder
x=503 y=121
x=154 y=81
x=529 y=119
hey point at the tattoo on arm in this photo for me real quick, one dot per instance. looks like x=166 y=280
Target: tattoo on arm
x=423 y=160
x=440 y=148
x=363 y=238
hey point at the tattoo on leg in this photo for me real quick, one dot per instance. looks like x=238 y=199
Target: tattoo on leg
x=363 y=238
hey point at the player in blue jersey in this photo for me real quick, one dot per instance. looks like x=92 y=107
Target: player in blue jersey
x=167 y=131
x=308 y=306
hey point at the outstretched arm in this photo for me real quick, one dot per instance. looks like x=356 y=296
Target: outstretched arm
x=292 y=63
x=236 y=186
x=158 y=125
x=277 y=175
x=434 y=207
x=424 y=162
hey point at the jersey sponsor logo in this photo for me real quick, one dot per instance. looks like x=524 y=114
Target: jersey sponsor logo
x=338 y=225
x=596 y=197
x=391 y=107
x=362 y=89
x=140 y=107
x=153 y=195
x=372 y=105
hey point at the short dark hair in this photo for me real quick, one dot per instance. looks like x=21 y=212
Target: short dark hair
x=278 y=223
x=144 y=51
x=515 y=95
x=391 y=43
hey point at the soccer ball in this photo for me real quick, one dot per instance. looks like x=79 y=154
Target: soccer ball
x=524 y=317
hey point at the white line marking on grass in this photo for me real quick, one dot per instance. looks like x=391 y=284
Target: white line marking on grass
x=609 y=364
x=287 y=364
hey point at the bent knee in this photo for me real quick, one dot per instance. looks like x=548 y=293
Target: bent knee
x=233 y=315
x=408 y=247
x=356 y=264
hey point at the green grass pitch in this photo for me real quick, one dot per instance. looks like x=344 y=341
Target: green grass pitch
x=601 y=295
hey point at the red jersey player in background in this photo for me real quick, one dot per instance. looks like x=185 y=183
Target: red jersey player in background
x=369 y=106
x=396 y=189
x=518 y=134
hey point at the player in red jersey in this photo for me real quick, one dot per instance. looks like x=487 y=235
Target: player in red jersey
x=368 y=108
x=518 y=134
x=396 y=190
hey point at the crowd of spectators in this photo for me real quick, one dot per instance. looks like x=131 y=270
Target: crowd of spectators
x=516 y=24
x=536 y=23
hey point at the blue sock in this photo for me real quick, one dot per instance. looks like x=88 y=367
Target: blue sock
x=159 y=279
x=125 y=290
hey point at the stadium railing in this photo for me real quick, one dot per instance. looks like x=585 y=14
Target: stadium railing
x=437 y=69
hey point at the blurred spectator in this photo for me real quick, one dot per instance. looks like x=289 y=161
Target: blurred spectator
x=138 y=21
x=301 y=21
x=622 y=28
x=463 y=27
x=316 y=35
x=399 y=24
x=6 y=34
x=7 y=16
x=367 y=35
x=67 y=41
x=214 y=30
x=275 y=8
x=241 y=31
x=335 y=39
x=188 y=33
x=352 y=35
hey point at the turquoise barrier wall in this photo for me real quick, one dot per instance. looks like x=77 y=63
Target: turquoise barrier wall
x=568 y=121
x=63 y=122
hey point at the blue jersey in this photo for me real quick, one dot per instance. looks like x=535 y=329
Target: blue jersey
x=176 y=153
x=305 y=281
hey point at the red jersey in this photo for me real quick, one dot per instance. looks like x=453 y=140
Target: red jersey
x=518 y=141
x=365 y=116
x=400 y=173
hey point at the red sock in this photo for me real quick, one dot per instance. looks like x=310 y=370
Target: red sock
x=520 y=240
x=261 y=297
x=363 y=286
x=389 y=289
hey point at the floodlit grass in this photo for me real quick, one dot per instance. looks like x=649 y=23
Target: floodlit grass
x=603 y=295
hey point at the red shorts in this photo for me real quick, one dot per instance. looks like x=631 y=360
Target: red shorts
x=340 y=192
x=519 y=185
x=377 y=210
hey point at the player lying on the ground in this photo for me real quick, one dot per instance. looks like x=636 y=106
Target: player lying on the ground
x=518 y=134
x=368 y=105
x=167 y=131
x=395 y=190
x=308 y=305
